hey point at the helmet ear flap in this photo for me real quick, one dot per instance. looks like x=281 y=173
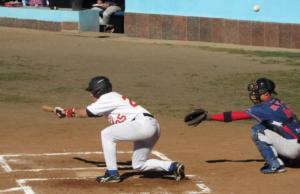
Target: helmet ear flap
x=97 y=94
x=99 y=85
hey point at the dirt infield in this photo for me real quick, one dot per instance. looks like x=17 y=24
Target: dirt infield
x=42 y=154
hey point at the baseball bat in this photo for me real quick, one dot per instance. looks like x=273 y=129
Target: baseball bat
x=47 y=108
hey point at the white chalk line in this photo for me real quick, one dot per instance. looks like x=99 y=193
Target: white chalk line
x=11 y=190
x=4 y=165
x=64 y=169
x=28 y=189
x=60 y=154
x=160 y=155
x=203 y=187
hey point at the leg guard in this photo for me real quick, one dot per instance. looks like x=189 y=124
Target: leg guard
x=265 y=147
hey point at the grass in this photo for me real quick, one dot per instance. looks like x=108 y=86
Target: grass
x=258 y=53
x=21 y=76
x=234 y=94
x=14 y=98
x=265 y=57
x=20 y=84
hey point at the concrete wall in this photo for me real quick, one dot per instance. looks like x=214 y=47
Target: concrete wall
x=47 y=19
x=281 y=11
x=277 y=24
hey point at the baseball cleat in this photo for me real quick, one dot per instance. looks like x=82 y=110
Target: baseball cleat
x=266 y=169
x=106 y=178
x=179 y=171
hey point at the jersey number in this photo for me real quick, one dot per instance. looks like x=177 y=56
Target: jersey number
x=131 y=102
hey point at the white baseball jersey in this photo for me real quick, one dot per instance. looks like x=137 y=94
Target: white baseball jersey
x=116 y=107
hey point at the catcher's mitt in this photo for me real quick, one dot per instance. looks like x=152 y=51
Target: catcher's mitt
x=196 y=117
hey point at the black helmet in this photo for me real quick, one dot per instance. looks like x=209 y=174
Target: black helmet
x=259 y=87
x=99 y=85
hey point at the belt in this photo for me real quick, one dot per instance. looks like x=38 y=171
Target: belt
x=148 y=115
x=145 y=115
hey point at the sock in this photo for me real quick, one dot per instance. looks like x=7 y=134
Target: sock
x=112 y=172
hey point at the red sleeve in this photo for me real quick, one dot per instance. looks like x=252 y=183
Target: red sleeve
x=234 y=116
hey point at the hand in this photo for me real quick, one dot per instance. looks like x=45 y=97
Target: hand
x=70 y=112
x=104 y=5
x=62 y=113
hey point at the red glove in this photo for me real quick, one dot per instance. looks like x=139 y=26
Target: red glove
x=70 y=112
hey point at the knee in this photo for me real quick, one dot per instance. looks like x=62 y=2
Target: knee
x=104 y=134
x=106 y=14
x=257 y=129
x=137 y=165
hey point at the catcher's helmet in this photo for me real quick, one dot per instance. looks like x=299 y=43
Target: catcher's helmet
x=99 y=85
x=259 y=87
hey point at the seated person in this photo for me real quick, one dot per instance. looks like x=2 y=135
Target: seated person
x=107 y=8
x=37 y=3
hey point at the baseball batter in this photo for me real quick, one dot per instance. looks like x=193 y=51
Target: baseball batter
x=129 y=122
x=277 y=133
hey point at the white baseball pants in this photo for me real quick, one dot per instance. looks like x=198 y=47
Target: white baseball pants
x=288 y=148
x=144 y=132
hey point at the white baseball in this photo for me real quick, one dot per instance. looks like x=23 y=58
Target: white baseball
x=256 y=8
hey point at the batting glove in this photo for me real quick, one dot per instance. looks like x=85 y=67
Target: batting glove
x=60 y=112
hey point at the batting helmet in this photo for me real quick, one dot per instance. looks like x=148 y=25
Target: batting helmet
x=99 y=85
x=259 y=87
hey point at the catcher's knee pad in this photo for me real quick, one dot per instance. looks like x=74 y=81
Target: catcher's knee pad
x=264 y=146
x=256 y=130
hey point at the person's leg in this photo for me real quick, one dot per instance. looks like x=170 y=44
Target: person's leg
x=143 y=130
x=267 y=150
x=107 y=13
x=142 y=150
x=289 y=148
x=128 y=131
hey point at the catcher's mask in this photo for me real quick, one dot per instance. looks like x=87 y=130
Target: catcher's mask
x=99 y=85
x=259 y=87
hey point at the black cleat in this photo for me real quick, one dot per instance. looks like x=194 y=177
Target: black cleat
x=267 y=169
x=179 y=171
x=106 y=178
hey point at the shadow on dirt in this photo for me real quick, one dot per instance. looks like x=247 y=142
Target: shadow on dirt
x=291 y=163
x=226 y=160
x=287 y=162
x=122 y=165
x=148 y=175
x=127 y=166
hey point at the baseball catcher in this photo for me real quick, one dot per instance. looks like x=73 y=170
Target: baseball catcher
x=277 y=132
x=129 y=122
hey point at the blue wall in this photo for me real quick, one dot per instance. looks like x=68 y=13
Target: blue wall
x=88 y=20
x=42 y=14
x=282 y=11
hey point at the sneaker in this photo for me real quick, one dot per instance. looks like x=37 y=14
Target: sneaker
x=106 y=178
x=178 y=171
x=266 y=169
x=109 y=29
